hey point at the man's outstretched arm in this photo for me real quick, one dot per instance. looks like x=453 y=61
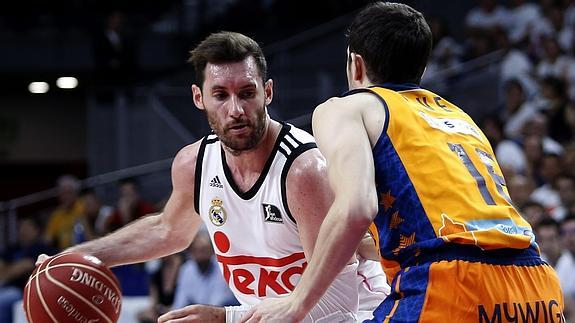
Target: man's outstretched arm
x=157 y=235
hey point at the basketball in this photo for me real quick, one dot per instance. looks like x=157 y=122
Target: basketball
x=72 y=287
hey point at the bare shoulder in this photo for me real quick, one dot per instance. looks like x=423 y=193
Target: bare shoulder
x=348 y=104
x=184 y=165
x=309 y=167
x=308 y=192
x=363 y=109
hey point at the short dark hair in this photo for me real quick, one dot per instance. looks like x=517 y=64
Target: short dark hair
x=226 y=47
x=393 y=39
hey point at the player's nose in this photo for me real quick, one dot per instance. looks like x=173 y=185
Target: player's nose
x=236 y=108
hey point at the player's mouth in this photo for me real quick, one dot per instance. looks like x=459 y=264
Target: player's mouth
x=238 y=128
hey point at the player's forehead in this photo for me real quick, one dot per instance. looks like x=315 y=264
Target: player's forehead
x=236 y=74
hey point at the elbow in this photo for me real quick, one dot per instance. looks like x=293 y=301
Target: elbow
x=360 y=214
x=364 y=217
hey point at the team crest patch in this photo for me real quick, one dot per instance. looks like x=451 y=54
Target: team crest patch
x=217 y=212
x=272 y=213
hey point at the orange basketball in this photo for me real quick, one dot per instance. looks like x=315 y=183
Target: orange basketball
x=72 y=287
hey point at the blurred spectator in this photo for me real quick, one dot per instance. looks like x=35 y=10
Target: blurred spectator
x=445 y=55
x=520 y=189
x=565 y=185
x=554 y=105
x=524 y=17
x=517 y=110
x=114 y=51
x=509 y=154
x=570 y=14
x=548 y=235
x=200 y=281
x=537 y=126
x=162 y=288
x=554 y=62
x=516 y=65
x=17 y=263
x=60 y=228
x=569 y=160
x=546 y=193
x=534 y=212
x=92 y=224
x=563 y=32
x=482 y=24
x=533 y=149
x=566 y=264
x=130 y=206
x=488 y=17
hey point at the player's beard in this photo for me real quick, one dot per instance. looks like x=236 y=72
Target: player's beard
x=243 y=142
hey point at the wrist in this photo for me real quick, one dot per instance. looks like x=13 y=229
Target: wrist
x=299 y=306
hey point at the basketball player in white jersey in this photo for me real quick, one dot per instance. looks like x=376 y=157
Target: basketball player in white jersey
x=261 y=188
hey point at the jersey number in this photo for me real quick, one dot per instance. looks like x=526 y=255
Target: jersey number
x=488 y=162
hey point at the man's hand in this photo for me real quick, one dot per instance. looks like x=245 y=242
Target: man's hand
x=367 y=248
x=274 y=310
x=195 y=313
x=41 y=259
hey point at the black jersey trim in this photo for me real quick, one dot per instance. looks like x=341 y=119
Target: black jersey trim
x=290 y=159
x=283 y=151
x=293 y=138
x=255 y=188
x=198 y=179
x=382 y=100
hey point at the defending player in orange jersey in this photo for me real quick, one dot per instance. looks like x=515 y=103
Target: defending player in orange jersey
x=453 y=245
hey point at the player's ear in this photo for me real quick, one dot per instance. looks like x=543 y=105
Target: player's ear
x=269 y=91
x=358 y=67
x=197 y=96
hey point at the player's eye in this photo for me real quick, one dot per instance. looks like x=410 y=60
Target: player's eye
x=247 y=94
x=220 y=95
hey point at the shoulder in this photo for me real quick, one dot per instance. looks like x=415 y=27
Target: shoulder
x=187 y=156
x=353 y=103
x=307 y=171
x=184 y=164
x=307 y=189
x=362 y=109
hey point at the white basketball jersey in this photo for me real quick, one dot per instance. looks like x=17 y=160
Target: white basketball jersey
x=255 y=237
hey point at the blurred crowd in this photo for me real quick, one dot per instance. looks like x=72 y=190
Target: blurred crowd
x=532 y=130
x=532 y=133
x=81 y=216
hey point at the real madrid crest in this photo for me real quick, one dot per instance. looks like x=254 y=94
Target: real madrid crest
x=217 y=212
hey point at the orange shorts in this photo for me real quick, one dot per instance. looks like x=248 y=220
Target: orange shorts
x=466 y=291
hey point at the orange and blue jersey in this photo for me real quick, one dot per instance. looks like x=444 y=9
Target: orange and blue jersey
x=442 y=196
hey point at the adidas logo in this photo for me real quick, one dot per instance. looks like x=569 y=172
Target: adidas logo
x=215 y=182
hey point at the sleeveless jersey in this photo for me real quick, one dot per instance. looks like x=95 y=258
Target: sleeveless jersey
x=439 y=185
x=255 y=237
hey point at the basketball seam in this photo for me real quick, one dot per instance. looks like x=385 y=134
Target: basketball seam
x=71 y=291
x=41 y=297
x=106 y=275
x=34 y=281
x=98 y=271
x=27 y=306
